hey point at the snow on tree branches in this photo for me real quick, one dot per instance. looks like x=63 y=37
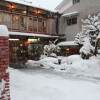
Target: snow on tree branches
x=87 y=49
x=90 y=27
x=51 y=49
x=90 y=30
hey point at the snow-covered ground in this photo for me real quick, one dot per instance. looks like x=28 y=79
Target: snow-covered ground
x=73 y=64
x=47 y=85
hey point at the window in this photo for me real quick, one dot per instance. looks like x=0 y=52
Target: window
x=76 y=1
x=71 y=20
x=30 y=24
x=35 y=24
x=40 y=25
x=23 y=23
x=44 y=25
x=15 y=22
x=5 y=19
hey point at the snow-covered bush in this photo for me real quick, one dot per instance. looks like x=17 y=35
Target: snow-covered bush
x=51 y=49
x=79 y=38
x=87 y=49
x=90 y=29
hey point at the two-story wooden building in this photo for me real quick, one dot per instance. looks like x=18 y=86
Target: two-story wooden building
x=29 y=28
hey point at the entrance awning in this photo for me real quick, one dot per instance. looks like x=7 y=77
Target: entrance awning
x=32 y=34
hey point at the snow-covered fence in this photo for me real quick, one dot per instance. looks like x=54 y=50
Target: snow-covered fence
x=4 y=62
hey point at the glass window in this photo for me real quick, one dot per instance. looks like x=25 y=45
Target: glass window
x=44 y=25
x=40 y=25
x=5 y=19
x=15 y=22
x=23 y=23
x=72 y=20
x=30 y=24
x=1 y=17
x=35 y=24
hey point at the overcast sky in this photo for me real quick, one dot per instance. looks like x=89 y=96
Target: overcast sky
x=48 y=4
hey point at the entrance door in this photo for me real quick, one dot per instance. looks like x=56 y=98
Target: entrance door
x=18 y=52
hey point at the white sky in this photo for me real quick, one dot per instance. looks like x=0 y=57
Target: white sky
x=48 y=4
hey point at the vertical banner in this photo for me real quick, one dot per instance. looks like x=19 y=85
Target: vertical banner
x=4 y=63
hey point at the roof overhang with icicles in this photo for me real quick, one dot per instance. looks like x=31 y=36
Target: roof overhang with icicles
x=32 y=34
x=70 y=14
x=29 y=3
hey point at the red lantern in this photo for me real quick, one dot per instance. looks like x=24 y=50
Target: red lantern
x=11 y=6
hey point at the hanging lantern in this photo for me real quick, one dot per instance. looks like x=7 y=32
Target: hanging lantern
x=11 y=6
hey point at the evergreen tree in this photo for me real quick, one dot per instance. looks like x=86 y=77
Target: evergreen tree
x=90 y=27
x=90 y=30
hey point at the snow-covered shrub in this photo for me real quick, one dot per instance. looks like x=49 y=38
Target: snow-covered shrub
x=51 y=49
x=79 y=38
x=90 y=29
x=87 y=49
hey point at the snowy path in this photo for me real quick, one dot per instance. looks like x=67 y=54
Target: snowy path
x=40 y=85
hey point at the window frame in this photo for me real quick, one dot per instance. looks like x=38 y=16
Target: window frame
x=72 y=20
x=76 y=1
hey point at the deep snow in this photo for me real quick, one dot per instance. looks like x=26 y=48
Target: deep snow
x=41 y=85
x=73 y=64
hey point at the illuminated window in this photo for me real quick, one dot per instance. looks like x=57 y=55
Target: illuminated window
x=23 y=23
x=15 y=22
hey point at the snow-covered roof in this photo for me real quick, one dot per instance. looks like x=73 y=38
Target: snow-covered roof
x=3 y=30
x=29 y=3
x=32 y=34
x=70 y=14
x=67 y=43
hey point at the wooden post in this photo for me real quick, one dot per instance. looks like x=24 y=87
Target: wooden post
x=4 y=63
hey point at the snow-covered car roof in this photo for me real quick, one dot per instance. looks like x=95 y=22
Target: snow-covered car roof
x=67 y=43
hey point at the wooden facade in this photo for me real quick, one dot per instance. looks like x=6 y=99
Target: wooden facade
x=28 y=19
x=29 y=23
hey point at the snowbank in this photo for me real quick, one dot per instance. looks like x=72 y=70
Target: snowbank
x=72 y=64
x=67 y=43
x=32 y=64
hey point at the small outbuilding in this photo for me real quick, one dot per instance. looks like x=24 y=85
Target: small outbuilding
x=69 y=48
